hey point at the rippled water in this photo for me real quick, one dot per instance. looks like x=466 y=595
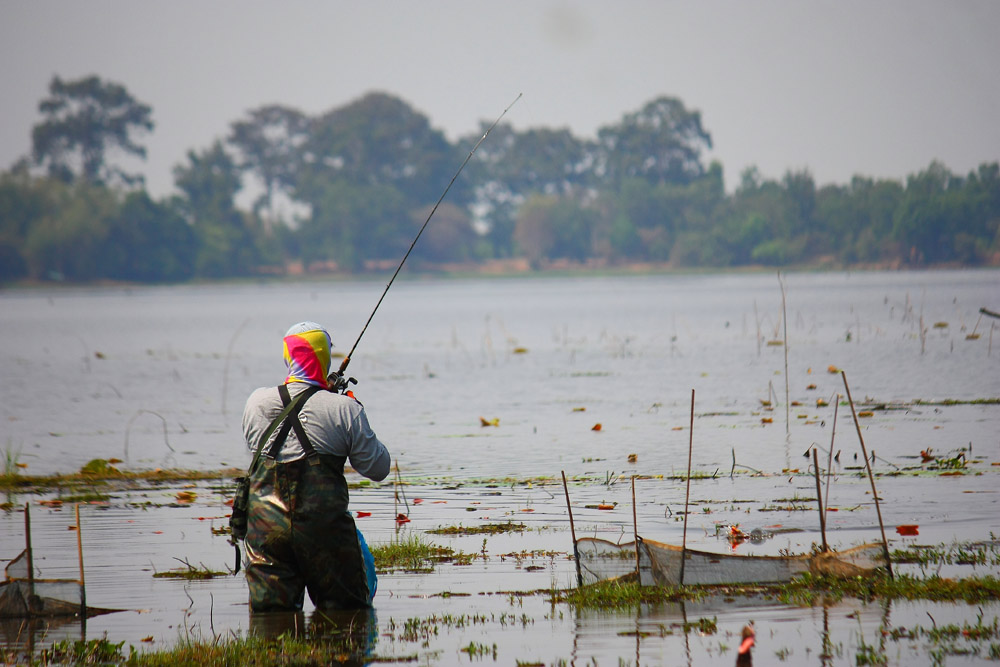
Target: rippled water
x=157 y=377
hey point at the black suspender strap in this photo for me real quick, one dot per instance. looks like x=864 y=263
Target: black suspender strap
x=292 y=422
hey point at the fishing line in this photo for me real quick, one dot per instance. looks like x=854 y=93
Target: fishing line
x=340 y=382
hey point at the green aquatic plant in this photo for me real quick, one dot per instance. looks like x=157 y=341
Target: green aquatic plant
x=11 y=463
x=485 y=529
x=410 y=553
x=189 y=572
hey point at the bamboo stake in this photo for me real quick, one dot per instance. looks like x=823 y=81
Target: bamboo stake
x=79 y=551
x=572 y=531
x=635 y=533
x=687 y=494
x=829 y=460
x=784 y=323
x=31 y=558
x=819 y=501
x=871 y=478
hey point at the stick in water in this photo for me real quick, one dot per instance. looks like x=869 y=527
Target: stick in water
x=687 y=494
x=871 y=478
x=572 y=531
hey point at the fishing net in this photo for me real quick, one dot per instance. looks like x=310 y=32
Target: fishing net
x=600 y=560
x=22 y=595
x=660 y=564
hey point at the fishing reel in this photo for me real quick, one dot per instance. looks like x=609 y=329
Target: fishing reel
x=339 y=383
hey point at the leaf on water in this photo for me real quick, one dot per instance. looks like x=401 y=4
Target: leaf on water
x=483 y=421
x=866 y=413
x=186 y=496
x=402 y=518
x=520 y=350
x=766 y=420
x=579 y=409
x=632 y=458
x=596 y=427
x=832 y=369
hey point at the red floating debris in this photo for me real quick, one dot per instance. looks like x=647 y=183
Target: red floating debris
x=362 y=515
x=907 y=530
x=402 y=518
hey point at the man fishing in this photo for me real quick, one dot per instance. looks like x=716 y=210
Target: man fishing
x=300 y=533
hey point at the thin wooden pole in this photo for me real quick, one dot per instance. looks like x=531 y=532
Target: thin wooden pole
x=687 y=494
x=27 y=545
x=871 y=477
x=784 y=322
x=829 y=458
x=572 y=531
x=819 y=501
x=79 y=550
x=635 y=533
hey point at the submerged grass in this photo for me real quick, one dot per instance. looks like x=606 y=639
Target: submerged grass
x=806 y=591
x=485 y=529
x=252 y=651
x=410 y=553
x=100 y=471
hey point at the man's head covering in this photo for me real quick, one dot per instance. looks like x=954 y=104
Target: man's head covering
x=307 y=354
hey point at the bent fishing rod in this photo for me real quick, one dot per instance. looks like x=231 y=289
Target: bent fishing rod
x=338 y=381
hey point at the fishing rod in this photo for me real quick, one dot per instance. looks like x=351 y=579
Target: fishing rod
x=338 y=382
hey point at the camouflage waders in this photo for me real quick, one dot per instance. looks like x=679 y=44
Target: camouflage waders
x=302 y=536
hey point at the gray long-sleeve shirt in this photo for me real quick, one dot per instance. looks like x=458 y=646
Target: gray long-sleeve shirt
x=335 y=424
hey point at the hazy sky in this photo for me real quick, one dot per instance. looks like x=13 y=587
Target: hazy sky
x=841 y=88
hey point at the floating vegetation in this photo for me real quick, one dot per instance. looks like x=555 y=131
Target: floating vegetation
x=982 y=554
x=486 y=529
x=101 y=471
x=411 y=554
x=807 y=590
x=189 y=572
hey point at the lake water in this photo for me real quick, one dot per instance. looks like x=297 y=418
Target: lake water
x=157 y=377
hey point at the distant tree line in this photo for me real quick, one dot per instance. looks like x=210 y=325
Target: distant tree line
x=348 y=189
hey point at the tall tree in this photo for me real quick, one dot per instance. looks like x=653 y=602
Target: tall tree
x=227 y=243
x=86 y=120
x=379 y=140
x=269 y=143
x=662 y=142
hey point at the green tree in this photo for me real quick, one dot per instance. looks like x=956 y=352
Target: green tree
x=269 y=142
x=550 y=227
x=227 y=239
x=22 y=201
x=448 y=237
x=66 y=241
x=662 y=143
x=148 y=242
x=350 y=224
x=512 y=166
x=85 y=120
x=379 y=140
